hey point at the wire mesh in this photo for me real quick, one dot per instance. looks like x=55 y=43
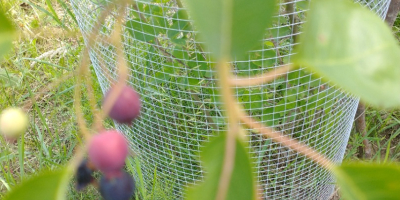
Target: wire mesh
x=181 y=111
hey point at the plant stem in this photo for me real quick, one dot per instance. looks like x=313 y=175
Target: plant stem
x=294 y=144
x=123 y=70
x=224 y=77
x=262 y=78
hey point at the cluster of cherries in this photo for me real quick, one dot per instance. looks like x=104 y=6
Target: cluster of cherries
x=108 y=150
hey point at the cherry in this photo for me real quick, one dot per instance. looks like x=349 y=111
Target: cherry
x=13 y=122
x=84 y=175
x=108 y=150
x=117 y=186
x=127 y=106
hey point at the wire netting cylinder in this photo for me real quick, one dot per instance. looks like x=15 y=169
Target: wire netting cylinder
x=181 y=111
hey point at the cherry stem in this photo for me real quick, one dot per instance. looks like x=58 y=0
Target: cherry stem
x=261 y=79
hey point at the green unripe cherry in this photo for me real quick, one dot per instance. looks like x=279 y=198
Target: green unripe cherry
x=13 y=122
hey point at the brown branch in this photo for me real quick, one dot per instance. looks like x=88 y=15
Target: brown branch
x=290 y=8
x=392 y=13
x=364 y=151
x=278 y=53
x=142 y=17
x=260 y=79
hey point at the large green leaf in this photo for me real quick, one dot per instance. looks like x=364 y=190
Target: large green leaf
x=369 y=181
x=233 y=24
x=46 y=186
x=349 y=45
x=6 y=34
x=242 y=184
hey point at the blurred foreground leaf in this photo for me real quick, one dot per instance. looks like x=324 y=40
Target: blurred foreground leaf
x=6 y=34
x=369 y=181
x=46 y=186
x=237 y=25
x=352 y=47
x=242 y=184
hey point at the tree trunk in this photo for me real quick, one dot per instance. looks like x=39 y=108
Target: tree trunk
x=394 y=9
x=366 y=151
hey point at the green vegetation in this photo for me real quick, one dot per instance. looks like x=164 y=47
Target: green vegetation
x=48 y=47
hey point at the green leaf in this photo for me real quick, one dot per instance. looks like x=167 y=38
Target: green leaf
x=356 y=50
x=368 y=181
x=180 y=53
x=141 y=31
x=48 y=185
x=6 y=34
x=245 y=23
x=303 y=5
x=281 y=32
x=242 y=184
x=180 y=22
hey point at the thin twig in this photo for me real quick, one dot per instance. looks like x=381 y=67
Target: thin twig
x=123 y=70
x=84 y=66
x=262 y=78
x=279 y=137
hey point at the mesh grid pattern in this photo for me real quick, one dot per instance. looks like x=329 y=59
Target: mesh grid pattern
x=180 y=99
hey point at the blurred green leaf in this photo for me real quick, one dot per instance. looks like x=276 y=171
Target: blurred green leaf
x=242 y=184
x=6 y=34
x=48 y=185
x=368 y=181
x=9 y=79
x=246 y=21
x=356 y=50
x=284 y=31
x=303 y=5
x=180 y=53
x=141 y=31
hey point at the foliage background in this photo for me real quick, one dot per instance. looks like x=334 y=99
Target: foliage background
x=48 y=46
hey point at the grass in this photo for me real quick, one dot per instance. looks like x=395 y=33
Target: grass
x=48 y=47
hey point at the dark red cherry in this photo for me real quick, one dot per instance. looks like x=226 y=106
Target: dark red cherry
x=108 y=150
x=127 y=106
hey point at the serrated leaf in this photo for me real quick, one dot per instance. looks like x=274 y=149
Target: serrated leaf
x=242 y=184
x=356 y=50
x=245 y=24
x=48 y=185
x=6 y=34
x=368 y=181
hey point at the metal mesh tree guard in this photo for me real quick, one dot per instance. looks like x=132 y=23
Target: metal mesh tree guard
x=181 y=111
